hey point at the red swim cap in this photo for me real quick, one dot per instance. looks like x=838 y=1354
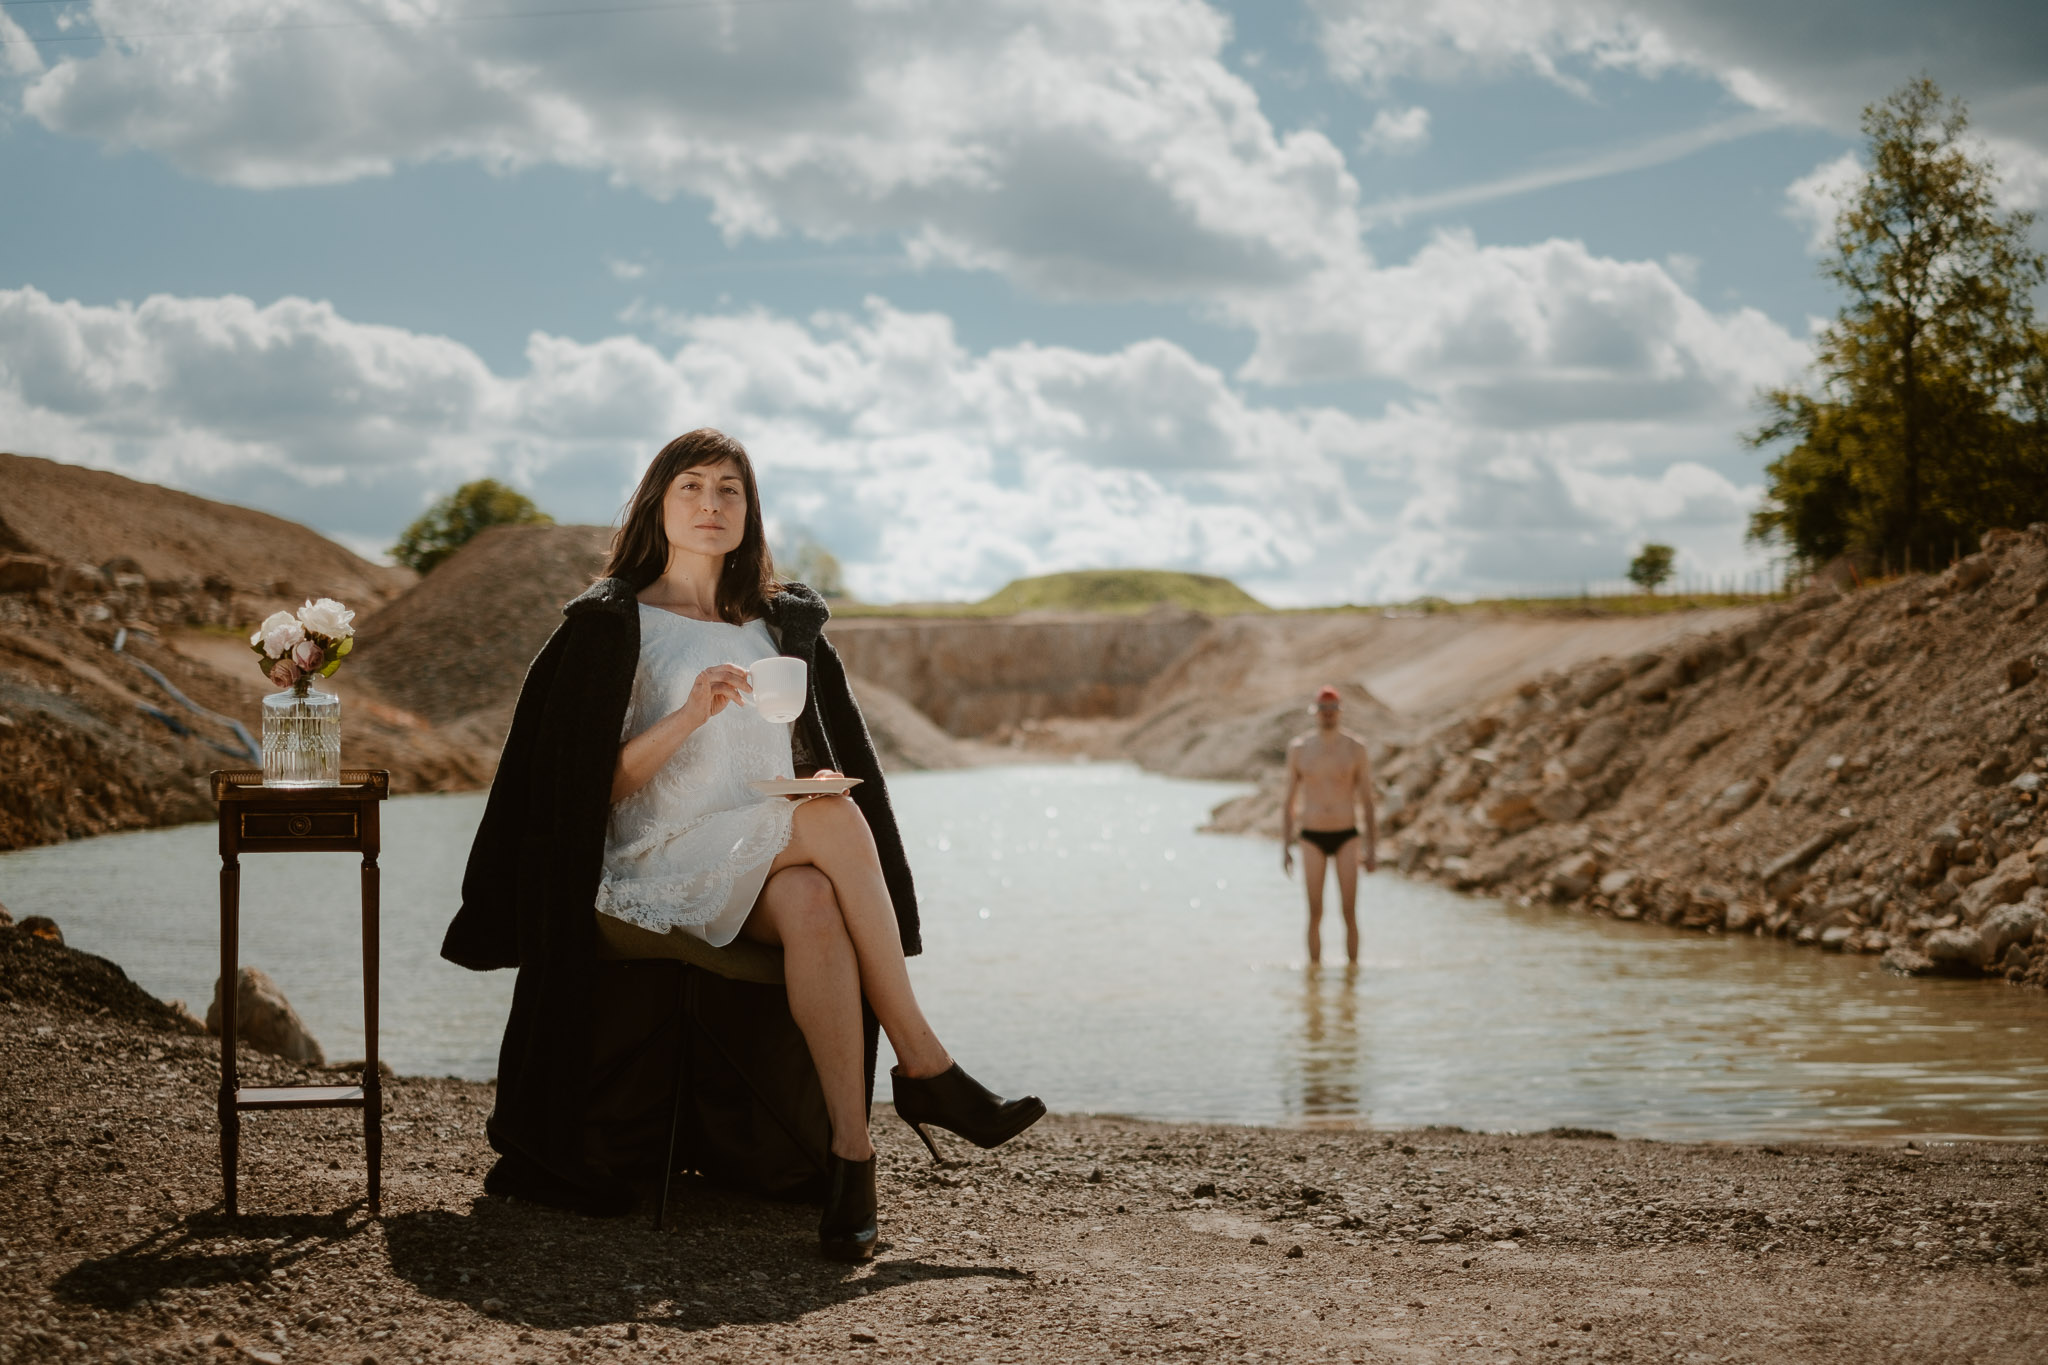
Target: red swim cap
x=1327 y=694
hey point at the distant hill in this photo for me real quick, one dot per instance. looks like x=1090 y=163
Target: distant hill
x=79 y=516
x=1122 y=590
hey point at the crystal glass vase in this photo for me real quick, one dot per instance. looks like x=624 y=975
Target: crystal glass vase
x=302 y=738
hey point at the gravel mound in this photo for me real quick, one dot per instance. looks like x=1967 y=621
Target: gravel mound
x=460 y=640
x=37 y=969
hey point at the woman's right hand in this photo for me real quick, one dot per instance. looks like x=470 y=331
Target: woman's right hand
x=716 y=688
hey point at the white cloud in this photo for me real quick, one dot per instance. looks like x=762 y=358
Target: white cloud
x=1815 y=199
x=1820 y=61
x=1080 y=148
x=1397 y=130
x=1526 y=336
x=931 y=470
x=624 y=270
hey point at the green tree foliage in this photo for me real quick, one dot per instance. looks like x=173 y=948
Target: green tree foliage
x=811 y=563
x=450 y=524
x=1927 y=419
x=1649 y=569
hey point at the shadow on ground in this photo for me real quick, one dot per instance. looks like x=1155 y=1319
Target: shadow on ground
x=195 y=1251
x=725 y=1258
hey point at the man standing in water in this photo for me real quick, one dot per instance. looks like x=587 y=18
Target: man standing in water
x=1328 y=774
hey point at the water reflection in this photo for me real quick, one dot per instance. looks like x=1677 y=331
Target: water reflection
x=1327 y=1055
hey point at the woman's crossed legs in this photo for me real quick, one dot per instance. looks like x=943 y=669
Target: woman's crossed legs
x=826 y=905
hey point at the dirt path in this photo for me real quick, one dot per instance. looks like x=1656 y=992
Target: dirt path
x=1090 y=1239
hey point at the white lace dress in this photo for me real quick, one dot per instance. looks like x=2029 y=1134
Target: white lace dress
x=691 y=849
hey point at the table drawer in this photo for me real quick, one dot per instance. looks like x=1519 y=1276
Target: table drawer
x=298 y=826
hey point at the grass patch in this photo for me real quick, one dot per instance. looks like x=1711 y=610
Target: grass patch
x=1108 y=591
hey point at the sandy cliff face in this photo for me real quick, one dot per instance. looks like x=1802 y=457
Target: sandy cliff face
x=974 y=677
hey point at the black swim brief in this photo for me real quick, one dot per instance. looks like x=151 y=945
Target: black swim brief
x=1330 y=840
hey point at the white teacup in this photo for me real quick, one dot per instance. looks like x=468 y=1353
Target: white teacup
x=780 y=685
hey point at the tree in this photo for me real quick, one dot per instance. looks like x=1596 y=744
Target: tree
x=1649 y=569
x=810 y=562
x=1927 y=423
x=450 y=524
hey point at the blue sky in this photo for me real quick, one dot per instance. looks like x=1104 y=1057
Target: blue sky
x=1351 y=301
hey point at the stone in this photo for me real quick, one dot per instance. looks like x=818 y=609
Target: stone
x=44 y=928
x=1991 y=771
x=25 y=573
x=1574 y=877
x=1906 y=961
x=1510 y=812
x=82 y=580
x=1741 y=916
x=1781 y=868
x=1595 y=744
x=1481 y=729
x=1660 y=681
x=1616 y=882
x=1468 y=779
x=1599 y=683
x=1562 y=803
x=1968 y=575
x=2009 y=926
x=265 y=1020
x=1733 y=799
x=2019 y=672
x=2005 y=884
x=1835 y=938
x=1951 y=947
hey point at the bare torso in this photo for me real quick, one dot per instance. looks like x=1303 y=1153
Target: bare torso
x=1328 y=772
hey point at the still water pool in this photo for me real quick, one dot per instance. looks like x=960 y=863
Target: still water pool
x=1082 y=941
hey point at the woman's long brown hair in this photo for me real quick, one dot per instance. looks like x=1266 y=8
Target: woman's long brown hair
x=640 y=548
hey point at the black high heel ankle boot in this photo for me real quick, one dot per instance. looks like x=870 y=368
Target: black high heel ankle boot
x=847 y=1231
x=955 y=1101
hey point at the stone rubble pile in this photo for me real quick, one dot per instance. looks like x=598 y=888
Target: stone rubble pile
x=1860 y=771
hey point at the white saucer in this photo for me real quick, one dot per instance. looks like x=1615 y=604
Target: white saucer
x=804 y=786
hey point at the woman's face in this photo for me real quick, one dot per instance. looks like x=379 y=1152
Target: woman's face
x=705 y=511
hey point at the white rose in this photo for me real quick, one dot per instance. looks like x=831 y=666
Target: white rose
x=278 y=633
x=328 y=619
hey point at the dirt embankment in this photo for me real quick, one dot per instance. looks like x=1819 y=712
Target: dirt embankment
x=95 y=739
x=1861 y=772
x=1088 y=1239
x=980 y=677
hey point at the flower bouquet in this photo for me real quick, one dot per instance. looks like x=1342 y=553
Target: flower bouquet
x=301 y=727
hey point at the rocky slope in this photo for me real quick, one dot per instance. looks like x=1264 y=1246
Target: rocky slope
x=1858 y=771
x=153 y=553
x=95 y=739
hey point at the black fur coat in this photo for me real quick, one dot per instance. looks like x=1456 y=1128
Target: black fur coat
x=529 y=892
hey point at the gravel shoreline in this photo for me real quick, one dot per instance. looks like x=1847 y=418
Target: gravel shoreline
x=1091 y=1238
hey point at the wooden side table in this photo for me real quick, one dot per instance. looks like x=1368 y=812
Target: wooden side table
x=259 y=819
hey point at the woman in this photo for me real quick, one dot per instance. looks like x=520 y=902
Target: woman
x=622 y=792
